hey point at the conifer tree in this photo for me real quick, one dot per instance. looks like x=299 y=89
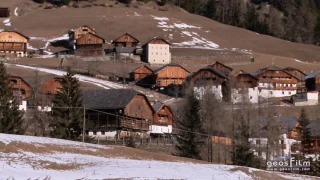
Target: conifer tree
x=190 y=126
x=241 y=154
x=67 y=111
x=10 y=116
x=304 y=130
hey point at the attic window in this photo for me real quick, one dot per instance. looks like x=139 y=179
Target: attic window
x=10 y=37
x=89 y=39
x=85 y=30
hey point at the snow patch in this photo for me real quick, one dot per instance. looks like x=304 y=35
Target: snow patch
x=184 y=26
x=299 y=61
x=16 y=11
x=136 y=14
x=7 y=22
x=160 y=18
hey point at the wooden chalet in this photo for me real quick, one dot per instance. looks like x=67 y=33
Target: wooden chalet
x=226 y=70
x=170 y=74
x=275 y=78
x=13 y=43
x=163 y=119
x=4 y=12
x=140 y=73
x=123 y=110
x=125 y=40
x=21 y=89
x=300 y=75
x=207 y=76
x=245 y=80
x=89 y=45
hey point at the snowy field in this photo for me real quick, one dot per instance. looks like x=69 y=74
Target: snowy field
x=26 y=157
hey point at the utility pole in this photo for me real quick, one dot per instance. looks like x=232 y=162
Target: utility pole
x=84 y=123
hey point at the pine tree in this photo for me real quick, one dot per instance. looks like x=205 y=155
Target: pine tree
x=188 y=137
x=67 y=109
x=10 y=116
x=242 y=154
x=304 y=130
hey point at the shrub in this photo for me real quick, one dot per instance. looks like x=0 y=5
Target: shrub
x=127 y=5
x=86 y=6
x=111 y=5
x=162 y=2
x=130 y=142
x=75 y=5
x=125 y=1
x=39 y=1
x=136 y=6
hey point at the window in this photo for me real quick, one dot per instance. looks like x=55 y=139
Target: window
x=103 y=133
x=257 y=141
x=250 y=97
x=163 y=60
x=282 y=92
x=156 y=53
x=289 y=93
x=94 y=133
x=271 y=92
x=10 y=37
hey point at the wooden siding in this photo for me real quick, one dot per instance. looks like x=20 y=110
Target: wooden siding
x=222 y=140
x=139 y=108
x=51 y=86
x=203 y=77
x=297 y=74
x=11 y=36
x=89 y=50
x=12 y=46
x=21 y=89
x=276 y=77
x=140 y=73
x=125 y=40
x=163 y=116
x=89 y=39
x=245 y=81
x=82 y=31
x=222 y=68
x=170 y=75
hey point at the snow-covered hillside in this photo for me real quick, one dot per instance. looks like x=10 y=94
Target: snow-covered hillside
x=24 y=157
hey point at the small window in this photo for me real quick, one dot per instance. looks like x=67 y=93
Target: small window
x=156 y=53
x=94 y=132
x=250 y=97
x=103 y=133
x=289 y=93
x=10 y=37
x=282 y=92
x=163 y=60
x=271 y=92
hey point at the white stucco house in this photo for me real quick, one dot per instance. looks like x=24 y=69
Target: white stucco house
x=157 y=51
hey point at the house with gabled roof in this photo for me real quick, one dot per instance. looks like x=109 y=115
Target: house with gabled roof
x=276 y=82
x=244 y=88
x=157 y=51
x=140 y=73
x=163 y=119
x=208 y=79
x=21 y=89
x=119 y=112
x=125 y=40
x=13 y=43
x=90 y=45
x=226 y=70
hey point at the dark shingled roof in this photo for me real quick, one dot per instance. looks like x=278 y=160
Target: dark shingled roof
x=288 y=123
x=312 y=75
x=214 y=70
x=157 y=106
x=108 y=98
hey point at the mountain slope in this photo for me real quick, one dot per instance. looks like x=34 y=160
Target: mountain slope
x=179 y=27
x=24 y=157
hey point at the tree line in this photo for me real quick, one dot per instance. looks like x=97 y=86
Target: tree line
x=293 y=20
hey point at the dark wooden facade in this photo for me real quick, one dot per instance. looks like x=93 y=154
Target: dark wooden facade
x=206 y=76
x=122 y=110
x=21 y=89
x=245 y=80
x=140 y=73
x=313 y=82
x=125 y=40
x=163 y=115
x=80 y=31
x=89 y=45
x=13 y=42
x=279 y=78
x=4 y=12
x=226 y=70
x=171 y=74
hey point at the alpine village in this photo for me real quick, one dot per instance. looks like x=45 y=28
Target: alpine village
x=103 y=84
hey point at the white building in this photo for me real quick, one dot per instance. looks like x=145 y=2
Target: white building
x=158 y=51
x=306 y=99
x=245 y=94
x=216 y=90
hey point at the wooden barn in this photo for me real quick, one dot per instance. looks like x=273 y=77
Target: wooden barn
x=140 y=73
x=13 y=43
x=4 y=12
x=245 y=80
x=226 y=70
x=125 y=111
x=207 y=76
x=163 y=119
x=300 y=75
x=80 y=31
x=89 y=45
x=125 y=40
x=170 y=74
x=51 y=86
x=21 y=89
